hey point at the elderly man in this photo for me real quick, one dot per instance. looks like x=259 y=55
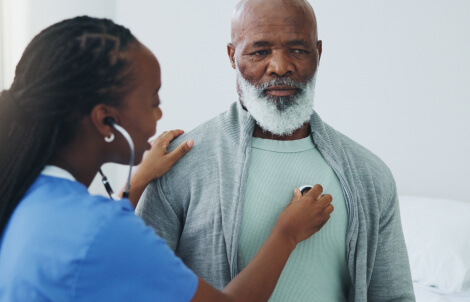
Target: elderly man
x=219 y=203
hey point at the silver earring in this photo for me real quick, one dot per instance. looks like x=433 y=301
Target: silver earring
x=110 y=138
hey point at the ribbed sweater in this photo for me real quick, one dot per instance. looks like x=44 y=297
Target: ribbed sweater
x=197 y=206
x=317 y=270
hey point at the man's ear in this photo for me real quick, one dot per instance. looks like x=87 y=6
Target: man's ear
x=319 y=49
x=231 y=54
x=98 y=115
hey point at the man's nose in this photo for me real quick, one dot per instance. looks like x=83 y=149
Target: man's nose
x=280 y=64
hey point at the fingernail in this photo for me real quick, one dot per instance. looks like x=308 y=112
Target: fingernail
x=190 y=143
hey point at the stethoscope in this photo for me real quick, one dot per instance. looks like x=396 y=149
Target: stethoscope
x=304 y=189
x=110 y=121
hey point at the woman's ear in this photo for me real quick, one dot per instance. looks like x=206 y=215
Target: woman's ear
x=101 y=115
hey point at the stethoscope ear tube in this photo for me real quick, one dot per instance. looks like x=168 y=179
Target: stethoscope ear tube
x=107 y=186
x=104 y=179
x=128 y=138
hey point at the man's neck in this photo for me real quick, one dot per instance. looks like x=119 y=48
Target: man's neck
x=300 y=133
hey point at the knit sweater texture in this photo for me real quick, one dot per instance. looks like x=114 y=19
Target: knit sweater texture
x=197 y=206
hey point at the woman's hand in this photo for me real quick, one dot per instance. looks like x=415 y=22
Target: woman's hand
x=304 y=215
x=156 y=162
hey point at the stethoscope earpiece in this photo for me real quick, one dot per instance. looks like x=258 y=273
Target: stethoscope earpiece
x=109 y=121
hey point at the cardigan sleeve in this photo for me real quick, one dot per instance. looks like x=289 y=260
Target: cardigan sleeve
x=391 y=276
x=158 y=213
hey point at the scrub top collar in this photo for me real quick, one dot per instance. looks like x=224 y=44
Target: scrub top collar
x=55 y=171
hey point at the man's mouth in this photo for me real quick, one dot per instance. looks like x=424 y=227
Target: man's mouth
x=281 y=90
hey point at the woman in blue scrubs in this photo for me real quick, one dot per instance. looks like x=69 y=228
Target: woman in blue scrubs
x=58 y=242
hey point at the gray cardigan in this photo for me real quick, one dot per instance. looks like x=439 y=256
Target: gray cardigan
x=197 y=206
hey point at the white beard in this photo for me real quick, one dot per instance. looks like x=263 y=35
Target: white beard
x=278 y=115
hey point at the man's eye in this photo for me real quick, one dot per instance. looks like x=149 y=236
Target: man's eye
x=300 y=51
x=260 y=53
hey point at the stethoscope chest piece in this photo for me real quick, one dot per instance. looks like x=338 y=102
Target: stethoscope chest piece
x=305 y=189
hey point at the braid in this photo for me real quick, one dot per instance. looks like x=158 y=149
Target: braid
x=64 y=72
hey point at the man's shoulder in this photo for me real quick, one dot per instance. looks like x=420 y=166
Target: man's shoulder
x=362 y=154
x=210 y=142
x=358 y=158
x=204 y=133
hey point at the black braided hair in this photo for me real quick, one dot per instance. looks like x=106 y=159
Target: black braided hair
x=65 y=71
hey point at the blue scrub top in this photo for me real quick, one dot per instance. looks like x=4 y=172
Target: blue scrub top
x=62 y=244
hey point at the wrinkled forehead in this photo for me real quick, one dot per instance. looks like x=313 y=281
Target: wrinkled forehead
x=271 y=17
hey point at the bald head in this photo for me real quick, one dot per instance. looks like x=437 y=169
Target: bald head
x=258 y=13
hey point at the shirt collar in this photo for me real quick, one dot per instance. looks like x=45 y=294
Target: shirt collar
x=55 y=171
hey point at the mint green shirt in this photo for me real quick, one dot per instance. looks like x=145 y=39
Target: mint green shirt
x=317 y=269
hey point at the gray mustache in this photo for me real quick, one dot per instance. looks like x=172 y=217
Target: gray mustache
x=282 y=81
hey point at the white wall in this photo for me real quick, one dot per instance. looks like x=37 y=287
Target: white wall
x=2 y=69
x=393 y=74
x=395 y=77
x=189 y=39
x=23 y=19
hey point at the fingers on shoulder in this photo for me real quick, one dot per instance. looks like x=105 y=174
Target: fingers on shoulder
x=174 y=133
x=181 y=150
x=185 y=146
x=168 y=136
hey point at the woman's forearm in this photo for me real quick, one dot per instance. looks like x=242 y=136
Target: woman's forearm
x=259 y=278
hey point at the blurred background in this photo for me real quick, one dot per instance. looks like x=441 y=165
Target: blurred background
x=394 y=75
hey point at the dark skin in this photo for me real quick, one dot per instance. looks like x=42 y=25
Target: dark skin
x=139 y=113
x=272 y=39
